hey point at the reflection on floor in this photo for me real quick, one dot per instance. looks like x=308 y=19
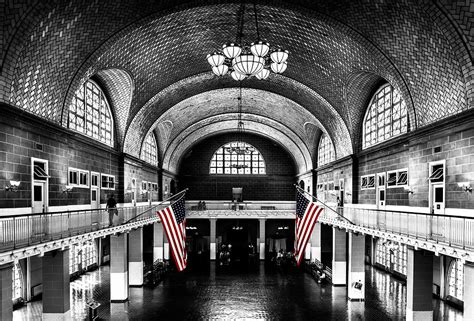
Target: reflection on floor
x=259 y=294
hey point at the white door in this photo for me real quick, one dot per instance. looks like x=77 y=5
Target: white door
x=38 y=197
x=381 y=196
x=94 y=197
x=438 y=198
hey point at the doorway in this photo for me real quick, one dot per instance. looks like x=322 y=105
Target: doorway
x=437 y=189
x=381 y=189
x=39 y=168
x=95 y=192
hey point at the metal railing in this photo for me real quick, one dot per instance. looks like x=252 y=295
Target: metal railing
x=25 y=230
x=456 y=231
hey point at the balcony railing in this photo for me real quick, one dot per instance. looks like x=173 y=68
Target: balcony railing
x=25 y=230
x=455 y=231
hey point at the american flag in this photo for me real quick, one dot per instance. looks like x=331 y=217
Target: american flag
x=307 y=214
x=173 y=219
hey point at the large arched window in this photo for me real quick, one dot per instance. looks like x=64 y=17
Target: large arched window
x=456 y=279
x=149 y=150
x=237 y=158
x=386 y=117
x=325 y=150
x=89 y=114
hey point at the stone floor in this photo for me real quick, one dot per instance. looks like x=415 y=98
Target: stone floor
x=260 y=293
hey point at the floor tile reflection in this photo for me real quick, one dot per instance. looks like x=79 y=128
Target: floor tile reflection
x=258 y=294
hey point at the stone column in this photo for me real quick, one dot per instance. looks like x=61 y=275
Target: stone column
x=356 y=277
x=339 y=264
x=56 y=305
x=468 y=291
x=135 y=257
x=118 y=268
x=212 y=239
x=419 y=285
x=262 y=238
x=158 y=242
x=6 y=305
x=316 y=243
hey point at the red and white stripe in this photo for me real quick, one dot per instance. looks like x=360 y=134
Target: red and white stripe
x=304 y=228
x=176 y=236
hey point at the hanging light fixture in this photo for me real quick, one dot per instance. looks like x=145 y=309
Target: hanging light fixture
x=243 y=61
x=240 y=148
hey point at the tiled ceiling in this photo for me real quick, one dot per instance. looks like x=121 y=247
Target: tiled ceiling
x=340 y=51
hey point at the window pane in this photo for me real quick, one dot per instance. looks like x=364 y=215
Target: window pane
x=385 y=118
x=90 y=114
x=236 y=158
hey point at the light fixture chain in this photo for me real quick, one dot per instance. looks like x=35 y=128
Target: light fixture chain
x=256 y=20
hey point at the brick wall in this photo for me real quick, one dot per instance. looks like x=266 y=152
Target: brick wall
x=277 y=184
x=452 y=141
x=20 y=140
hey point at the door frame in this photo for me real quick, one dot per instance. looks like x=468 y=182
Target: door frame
x=436 y=184
x=95 y=187
x=45 y=183
x=378 y=188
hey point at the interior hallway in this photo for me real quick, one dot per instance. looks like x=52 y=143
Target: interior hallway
x=262 y=293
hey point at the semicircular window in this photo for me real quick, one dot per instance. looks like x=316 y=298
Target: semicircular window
x=89 y=114
x=149 y=150
x=237 y=158
x=385 y=118
x=325 y=150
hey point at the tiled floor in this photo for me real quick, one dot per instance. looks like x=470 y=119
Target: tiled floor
x=257 y=294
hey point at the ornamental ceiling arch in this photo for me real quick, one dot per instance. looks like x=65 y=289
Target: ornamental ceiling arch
x=223 y=102
x=421 y=47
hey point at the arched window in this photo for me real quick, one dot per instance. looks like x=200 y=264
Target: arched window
x=237 y=158
x=325 y=150
x=456 y=279
x=149 y=150
x=386 y=117
x=89 y=114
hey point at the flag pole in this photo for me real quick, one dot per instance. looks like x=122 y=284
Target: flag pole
x=316 y=199
x=160 y=203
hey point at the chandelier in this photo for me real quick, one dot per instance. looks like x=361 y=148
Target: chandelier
x=242 y=61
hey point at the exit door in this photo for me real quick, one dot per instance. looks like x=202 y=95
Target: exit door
x=38 y=197
x=438 y=198
x=381 y=196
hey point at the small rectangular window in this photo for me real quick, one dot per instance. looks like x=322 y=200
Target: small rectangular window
x=371 y=182
x=364 y=182
x=437 y=173
x=368 y=182
x=392 y=179
x=107 y=181
x=78 y=177
x=402 y=178
x=94 y=180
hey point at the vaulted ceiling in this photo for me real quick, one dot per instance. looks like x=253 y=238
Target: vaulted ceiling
x=149 y=57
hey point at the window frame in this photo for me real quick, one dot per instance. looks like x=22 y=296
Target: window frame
x=326 y=150
x=367 y=177
x=227 y=159
x=149 y=152
x=397 y=173
x=79 y=174
x=373 y=113
x=90 y=112
x=102 y=175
